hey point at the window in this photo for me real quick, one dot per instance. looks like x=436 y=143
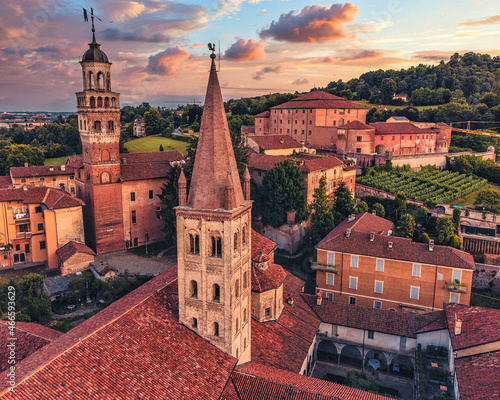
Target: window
x=194 y=324
x=379 y=286
x=402 y=138
x=440 y=277
x=416 y=270
x=216 y=293
x=216 y=329
x=42 y=245
x=245 y=343
x=329 y=279
x=151 y=194
x=111 y=125
x=358 y=150
x=371 y=334
x=329 y=296
x=402 y=343
x=193 y=289
x=393 y=138
x=245 y=315
x=352 y=300
x=194 y=244
x=380 y=266
x=42 y=179
x=132 y=196
x=136 y=242
x=134 y=217
x=23 y=180
x=235 y=242
x=244 y=235
x=331 y=259
x=454 y=298
x=216 y=247
x=245 y=279
x=27 y=248
x=354 y=261
x=40 y=227
x=377 y=304
x=414 y=292
x=237 y=324
x=457 y=276
x=237 y=288
x=97 y=126
x=18 y=247
x=268 y=312
x=353 y=282
x=411 y=137
x=358 y=139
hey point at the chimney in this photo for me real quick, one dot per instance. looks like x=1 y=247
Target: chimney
x=389 y=245
x=372 y=236
x=374 y=212
x=25 y=164
x=289 y=299
x=290 y=217
x=351 y=218
x=348 y=233
x=63 y=168
x=459 y=317
x=319 y=297
x=124 y=160
x=51 y=169
x=431 y=245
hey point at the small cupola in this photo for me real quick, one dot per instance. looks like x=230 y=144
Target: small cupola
x=261 y=262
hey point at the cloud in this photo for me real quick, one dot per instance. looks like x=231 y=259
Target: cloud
x=495 y=19
x=313 y=24
x=227 y=7
x=301 y=81
x=277 y=70
x=362 y=55
x=245 y=50
x=432 y=55
x=167 y=62
x=197 y=45
x=114 y=34
x=121 y=11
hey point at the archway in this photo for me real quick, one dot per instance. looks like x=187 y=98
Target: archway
x=380 y=149
x=350 y=355
x=402 y=366
x=375 y=355
x=327 y=352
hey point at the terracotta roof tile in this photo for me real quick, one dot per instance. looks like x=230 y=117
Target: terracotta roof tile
x=318 y=99
x=151 y=157
x=52 y=198
x=266 y=162
x=150 y=165
x=275 y=142
x=384 y=321
x=75 y=162
x=395 y=128
x=71 y=248
x=356 y=125
x=41 y=170
x=264 y=114
x=479 y=325
x=477 y=376
x=261 y=244
x=5 y=182
x=270 y=278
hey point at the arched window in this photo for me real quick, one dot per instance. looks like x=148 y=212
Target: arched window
x=85 y=124
x=341 y=121
x=100 y=80
x=237 y=288
x=105 y=177
x=216 y=329
x=91 y=80
x=194 y=244
x=113 y=102
x=105 y=155
x=216 y=292
x=111 y=126
x=245 y=343
x=244 y=235
x=81 y=125
x=97 y=126
x=106 y=102
x=216 y=247
x=108 y=81
x=237 y=324
x=245 y=279
x=194 y=324
x=92 y=102
x=99 y=101
x=236 y=242
x=193 y=290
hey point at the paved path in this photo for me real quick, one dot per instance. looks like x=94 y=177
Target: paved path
x=80 y=311
x=124 y=260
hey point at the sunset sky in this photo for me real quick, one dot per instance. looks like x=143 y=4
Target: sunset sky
x=159 y=52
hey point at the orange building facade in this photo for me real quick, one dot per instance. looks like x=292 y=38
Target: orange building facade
x=360 y=263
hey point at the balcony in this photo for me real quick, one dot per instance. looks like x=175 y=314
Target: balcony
x=21 y=215
x=456 y=287
x=325 y=267
x=23 y=235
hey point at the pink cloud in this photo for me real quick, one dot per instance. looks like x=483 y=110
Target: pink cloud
x=301 y=81
x=167 y=62
x=313 y=24
x=245 y=50
x=362 y=55
x=277 y=70
x=495 y=19
x=197 y=45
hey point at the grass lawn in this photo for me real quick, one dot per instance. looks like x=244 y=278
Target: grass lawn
x=366 y=103
x=153 y=249
x=58 y=160
x=152 y=143
x=468 y=200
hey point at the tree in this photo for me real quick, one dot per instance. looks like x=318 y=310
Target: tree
x=343 y=204
x=400 y=205
x=455 y=242
x=379 y=210
x=407 y=226
x=470 y=85
x=387 y=90
x=457 y=213
x=362 y=207
x=153 y=120
x=361 y=380
x=445 y=229
x=282 y=190
x=322 y=220
x=16 y=155
x=161 y=147
x=424 y=238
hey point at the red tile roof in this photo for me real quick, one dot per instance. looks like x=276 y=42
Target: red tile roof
x=275 y=142
x=151 y=165
x=52 y=198
x=261 y=244
x=71 y=248
x=356 y=125
x=264 y=114
x=30 y=337
x=263 y=280
x=477 y=376
x=318 y=99
x=402 y=248
x=479 y=325
x=266 y=162
x=135 y=348
x=75 y=162
x=384 y=321
x=41 y=170
x=284 y=343
x=395 y=128
x=151 y=157
x=255 y=381
x=5 y=182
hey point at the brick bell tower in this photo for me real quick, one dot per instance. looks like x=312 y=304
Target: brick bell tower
x=213 y=237
x=99 y=125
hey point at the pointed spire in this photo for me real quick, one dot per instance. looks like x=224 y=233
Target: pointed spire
x=246 y=184
x=182 y=184
x=215 y=169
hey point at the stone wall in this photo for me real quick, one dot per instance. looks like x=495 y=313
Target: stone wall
x=437 y=159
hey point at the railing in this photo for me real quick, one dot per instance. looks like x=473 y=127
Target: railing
x=21 y=235
x=21 y=215
x=456 y=287
x=325 y=267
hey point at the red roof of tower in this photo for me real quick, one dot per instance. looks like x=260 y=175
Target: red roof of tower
x=319 y=99
x=214 y=154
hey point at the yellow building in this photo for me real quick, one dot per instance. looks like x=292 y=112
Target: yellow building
x=35 y=222
x=55 y=176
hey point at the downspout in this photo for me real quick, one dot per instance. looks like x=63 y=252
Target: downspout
x=341 y=272
x=435 y=284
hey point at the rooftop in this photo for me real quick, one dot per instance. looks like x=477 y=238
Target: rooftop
x=52 y=198
x=355 y=125
x=41 y=170
x=272 y=277
x=275 y=142
x=71 y=248
x=392 y=128
x=319 y=99
x=478 y=376
x=261 y=244
x=266 y=162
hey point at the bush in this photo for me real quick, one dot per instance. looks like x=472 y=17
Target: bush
x=424 y=238
x=23 y=317
x=39 y=309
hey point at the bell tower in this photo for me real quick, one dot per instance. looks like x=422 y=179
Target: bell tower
x=99 y=125
x=213 y=237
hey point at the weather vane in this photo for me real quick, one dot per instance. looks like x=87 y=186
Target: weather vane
x=211 y=47
x=86 y=19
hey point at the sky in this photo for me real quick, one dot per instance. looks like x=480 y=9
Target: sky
x=159 y=47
